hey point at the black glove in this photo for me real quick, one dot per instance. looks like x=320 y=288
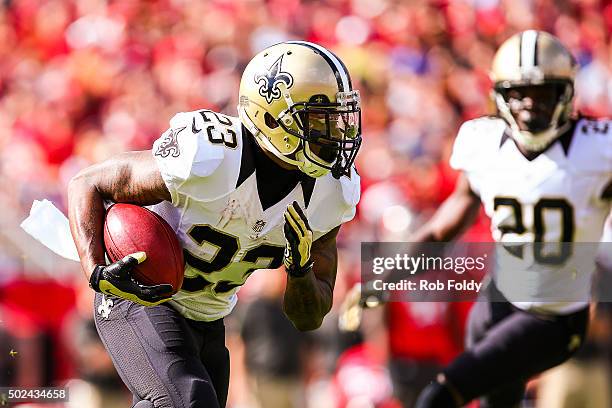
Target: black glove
x=116 y=280
x=299 y=240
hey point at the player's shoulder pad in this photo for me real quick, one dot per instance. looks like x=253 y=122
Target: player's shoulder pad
x=333 y=201
x=592 y=144
x=476 y=140
x=199 y=155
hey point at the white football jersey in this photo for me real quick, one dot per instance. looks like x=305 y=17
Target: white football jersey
x=555 y=197
x=228 y=201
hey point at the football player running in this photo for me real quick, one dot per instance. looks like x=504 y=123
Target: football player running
x=268 y=188
x=542 y=176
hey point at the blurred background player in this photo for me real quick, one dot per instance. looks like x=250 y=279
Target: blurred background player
x=542 y=177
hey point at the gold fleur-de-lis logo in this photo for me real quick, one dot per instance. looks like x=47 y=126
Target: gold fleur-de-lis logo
x=270 y=80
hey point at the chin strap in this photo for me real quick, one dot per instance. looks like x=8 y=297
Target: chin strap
x=309 y=167
x=247 y=122
x=539 y=141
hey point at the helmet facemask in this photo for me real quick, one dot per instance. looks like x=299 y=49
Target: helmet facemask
x=330 y=132
x=536 y=113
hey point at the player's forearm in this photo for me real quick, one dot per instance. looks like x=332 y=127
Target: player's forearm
x=451 y=220
x=130 y=177
x=446 y=225
x=86 y=216
x=307 y=301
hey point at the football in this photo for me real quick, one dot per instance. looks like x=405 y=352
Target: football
x=130 y=228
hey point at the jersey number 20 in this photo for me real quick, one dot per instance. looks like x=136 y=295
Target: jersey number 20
x=540 y=248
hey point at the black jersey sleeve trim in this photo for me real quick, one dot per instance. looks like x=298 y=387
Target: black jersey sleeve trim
x=247 y=164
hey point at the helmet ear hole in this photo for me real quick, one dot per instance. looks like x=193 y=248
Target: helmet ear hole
x=270 y=121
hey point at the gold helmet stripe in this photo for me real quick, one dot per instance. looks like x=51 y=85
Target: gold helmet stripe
x=338 y=68
x=528 y=57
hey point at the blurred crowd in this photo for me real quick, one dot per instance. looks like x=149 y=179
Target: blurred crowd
x=81 y=80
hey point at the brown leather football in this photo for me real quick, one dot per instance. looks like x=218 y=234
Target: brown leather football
x=130 y=228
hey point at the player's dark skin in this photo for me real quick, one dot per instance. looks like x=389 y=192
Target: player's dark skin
x=133 y=177
x=533 y=108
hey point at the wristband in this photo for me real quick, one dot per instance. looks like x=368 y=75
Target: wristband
x=300 y=272
x=94 y=279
